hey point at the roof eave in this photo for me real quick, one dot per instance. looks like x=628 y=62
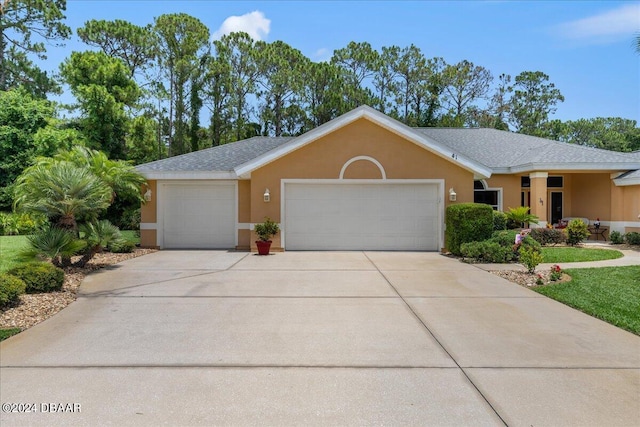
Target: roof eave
x=579 y=166
x=189 y=175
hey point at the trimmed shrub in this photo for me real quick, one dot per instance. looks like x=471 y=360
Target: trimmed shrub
x=11 y=288
x=486 y=251
x=467 y=222
x=121 y=247
x=499 y=220
x=530 y=258
x=506 y=238
x=39 y=277
x=576 y=232
x=548 y=236
x=632 y=238
x=616 y=238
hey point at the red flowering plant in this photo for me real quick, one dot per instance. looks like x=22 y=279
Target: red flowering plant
x=539 y=280
x=556 y=273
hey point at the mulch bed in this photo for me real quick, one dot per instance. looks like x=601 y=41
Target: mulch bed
x=34 y=308
x=529 y=280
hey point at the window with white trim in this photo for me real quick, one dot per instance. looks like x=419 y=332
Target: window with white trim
x=488 y=196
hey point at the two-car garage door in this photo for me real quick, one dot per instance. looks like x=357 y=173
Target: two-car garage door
x=362 y=216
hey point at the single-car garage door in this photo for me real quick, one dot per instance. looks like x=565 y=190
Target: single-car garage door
x=198 y=215
x=371 y=216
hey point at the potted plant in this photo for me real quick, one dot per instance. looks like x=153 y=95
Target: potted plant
x=265 y=231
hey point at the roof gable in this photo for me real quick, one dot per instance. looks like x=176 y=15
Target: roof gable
x=380 y=119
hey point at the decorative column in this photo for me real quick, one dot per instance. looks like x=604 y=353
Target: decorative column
x=539 y=202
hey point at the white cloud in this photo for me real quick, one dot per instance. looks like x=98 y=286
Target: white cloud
x=322 y=55
x=607 y=26
x=254 y=23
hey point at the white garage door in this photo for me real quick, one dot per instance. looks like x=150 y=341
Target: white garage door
x=385 y=216
x=198 y=215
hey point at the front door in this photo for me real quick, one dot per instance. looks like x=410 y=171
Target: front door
x=556 y=206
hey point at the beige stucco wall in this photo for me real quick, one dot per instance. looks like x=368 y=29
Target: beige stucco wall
x=324 y=159
x=244 y=214
x=590 y=196
x=149 y=214
x=511 y=189
x=631 y=206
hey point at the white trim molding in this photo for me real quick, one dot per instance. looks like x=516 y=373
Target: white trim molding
x=366 y=158
x=148 y=226
x=620 y=226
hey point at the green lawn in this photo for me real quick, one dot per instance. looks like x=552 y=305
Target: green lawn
x=608 y=293
x=6 y=333
x=557 y=255
x=10 y=246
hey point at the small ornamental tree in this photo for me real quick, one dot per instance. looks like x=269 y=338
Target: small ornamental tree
x=576 y=231
x=467 y=222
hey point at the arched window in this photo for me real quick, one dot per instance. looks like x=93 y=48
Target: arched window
x=489 y=196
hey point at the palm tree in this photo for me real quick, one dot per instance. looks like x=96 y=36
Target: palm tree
x=119 y=175
x=520 y=216
x=63 y=192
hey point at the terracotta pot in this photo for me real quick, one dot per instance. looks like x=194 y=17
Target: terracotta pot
x=263 y=247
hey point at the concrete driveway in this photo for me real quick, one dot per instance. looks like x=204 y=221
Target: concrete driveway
x=317 y=338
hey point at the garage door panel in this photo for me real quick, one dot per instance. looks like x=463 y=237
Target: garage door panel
x=361 y=216
x=199 y=215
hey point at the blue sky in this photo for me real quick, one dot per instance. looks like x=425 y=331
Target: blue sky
x=586 y=47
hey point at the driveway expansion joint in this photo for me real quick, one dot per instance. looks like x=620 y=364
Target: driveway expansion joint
x=482 y=395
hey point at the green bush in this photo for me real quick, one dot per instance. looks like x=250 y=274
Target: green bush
x=530 y=258
x=576 y=231
x=632 y=238
x=616 y=238
x=11 y=288
x=121 y=246
x=39 y=277
x=506 y=238
x=267 y=229
x=20 y=223
x=486 y=251
x=499 y=248
x=548 y=236
x=467 y=222
x=499 y=220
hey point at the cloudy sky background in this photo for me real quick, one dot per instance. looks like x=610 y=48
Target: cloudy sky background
x=586 y=47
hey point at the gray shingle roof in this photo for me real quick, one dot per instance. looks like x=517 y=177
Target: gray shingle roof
x=501 y=149
x=629 y=175
x=498 y=150
x=221 y=158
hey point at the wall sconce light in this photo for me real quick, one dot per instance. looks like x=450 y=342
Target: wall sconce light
x=147 y=195
x=541 y=202
x=267 y=196
x=452 y=195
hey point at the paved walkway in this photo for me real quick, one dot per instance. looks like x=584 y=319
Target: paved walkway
x=631 y=257
x=308 y=338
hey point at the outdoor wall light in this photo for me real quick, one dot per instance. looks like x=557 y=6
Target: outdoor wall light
x=541 y=201
x=267 y=196
x=147 y=195
x=452 y=195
